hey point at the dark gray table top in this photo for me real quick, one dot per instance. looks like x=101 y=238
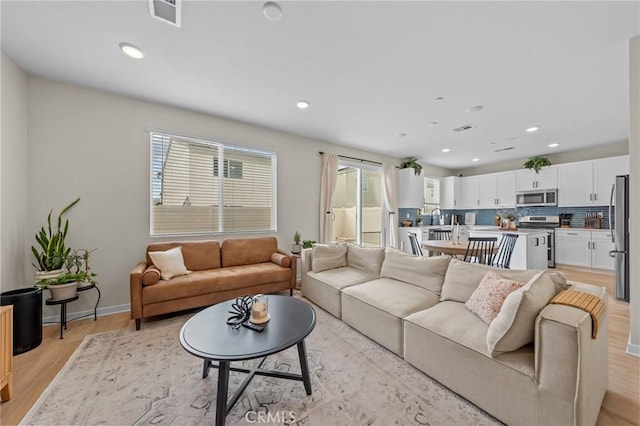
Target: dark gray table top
x=207 y=335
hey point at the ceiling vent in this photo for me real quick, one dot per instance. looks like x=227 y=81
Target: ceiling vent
x=166 y=10
x=509 y=148
x=463 y=128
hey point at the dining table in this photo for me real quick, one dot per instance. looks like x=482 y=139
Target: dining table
x=450 y=248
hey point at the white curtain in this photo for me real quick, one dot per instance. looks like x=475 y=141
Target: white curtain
x=390 y=174
x=327 y=195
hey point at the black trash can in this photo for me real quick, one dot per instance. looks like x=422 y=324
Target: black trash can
x=27 y=317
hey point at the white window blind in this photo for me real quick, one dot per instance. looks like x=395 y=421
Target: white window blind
x=431 y=192
x=188 y=195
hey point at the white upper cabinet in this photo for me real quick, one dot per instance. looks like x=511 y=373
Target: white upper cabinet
x=450 y=192
x=410 y=189
x=589 y=182
x=469 y=187
x=605 y=171
x=529 y=180
x=497 y=190
x=575 y=184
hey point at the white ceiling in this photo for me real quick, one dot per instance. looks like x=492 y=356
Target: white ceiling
x=371 y=70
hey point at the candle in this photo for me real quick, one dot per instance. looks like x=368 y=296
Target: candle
x=458 y=232
x=259 y=311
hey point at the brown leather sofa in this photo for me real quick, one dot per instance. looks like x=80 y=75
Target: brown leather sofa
x=218 y=272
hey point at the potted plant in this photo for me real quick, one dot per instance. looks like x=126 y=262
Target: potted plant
x=52 y=253
x=536 y=163
x=308 y=244
x=296 y=248
x=412 y=163
x=63 y=286
x=78 y=263
x=509 y=217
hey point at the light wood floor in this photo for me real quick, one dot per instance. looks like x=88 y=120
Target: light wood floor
x=34 y=370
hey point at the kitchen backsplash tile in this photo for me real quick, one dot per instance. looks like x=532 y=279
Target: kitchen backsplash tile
x=486 y=216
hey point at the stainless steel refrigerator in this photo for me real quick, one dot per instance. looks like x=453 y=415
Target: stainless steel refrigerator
x=620 y=235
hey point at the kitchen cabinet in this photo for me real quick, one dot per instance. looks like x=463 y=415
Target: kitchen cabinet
x=410 y=189
x=506 y=189
x=584 y=248
x=575 y=184
x=605 y=171
x=601 y=245
x=469 y=187
x=450 y=193
x=528 y=180
x=497 y=190
x=589 y=182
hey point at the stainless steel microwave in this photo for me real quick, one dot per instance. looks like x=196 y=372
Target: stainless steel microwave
x=548 y=197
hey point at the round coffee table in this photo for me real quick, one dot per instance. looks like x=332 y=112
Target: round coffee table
x=207 y=335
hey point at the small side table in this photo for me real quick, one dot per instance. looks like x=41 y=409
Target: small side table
x=63 y=306
x=63 y=309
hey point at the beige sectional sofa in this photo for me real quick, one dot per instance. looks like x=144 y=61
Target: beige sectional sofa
x=415 y=307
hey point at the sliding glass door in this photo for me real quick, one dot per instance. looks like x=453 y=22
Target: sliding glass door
x=357 y=209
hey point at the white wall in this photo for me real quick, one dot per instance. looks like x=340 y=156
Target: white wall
x=92 y=144
x=634 y=193
x=13 y=178
x=600 y=151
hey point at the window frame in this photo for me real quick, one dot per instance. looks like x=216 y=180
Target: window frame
x=222 y=146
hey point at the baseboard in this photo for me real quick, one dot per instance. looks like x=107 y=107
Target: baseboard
x=107 y=310
x=632 y=349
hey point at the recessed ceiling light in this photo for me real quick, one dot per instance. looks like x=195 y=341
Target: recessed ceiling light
x=272 y=11
x=475 y=159
x=439 y=98
x=553 y=145
x=533 y=129
x=475 y=108
x=445 y=150
x=302 y=104
x=131 y=50
x=432 y=123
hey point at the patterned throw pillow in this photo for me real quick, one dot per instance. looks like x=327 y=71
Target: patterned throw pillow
x=488 y=298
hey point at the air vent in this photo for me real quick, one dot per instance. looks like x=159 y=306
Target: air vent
x=166 y=10
x=509 y=148
x=463 y=128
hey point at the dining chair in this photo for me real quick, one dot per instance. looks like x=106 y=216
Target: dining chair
x=441 y=234
x=503 y=258
x=415 y=244
x=480 y=250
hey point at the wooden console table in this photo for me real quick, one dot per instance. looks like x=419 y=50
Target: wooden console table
x=6 y=352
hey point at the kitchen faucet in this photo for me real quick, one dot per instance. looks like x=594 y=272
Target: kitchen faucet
x=440 y=214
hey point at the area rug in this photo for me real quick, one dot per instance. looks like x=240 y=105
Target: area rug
x=129 y=377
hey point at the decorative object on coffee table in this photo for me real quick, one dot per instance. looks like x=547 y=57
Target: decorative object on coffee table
x=207 y=336
x=260 y=309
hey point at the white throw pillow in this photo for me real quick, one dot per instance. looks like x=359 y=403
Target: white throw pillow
x=425 y=272
x=368 y=259
x=328 y=256
x=515 y=324
x=170 y=262
x=488 y=298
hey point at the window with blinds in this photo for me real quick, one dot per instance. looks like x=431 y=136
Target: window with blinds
x=188 y=195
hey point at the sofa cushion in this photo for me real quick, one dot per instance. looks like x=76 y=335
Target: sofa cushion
x=204 y=282
x=340 y=278
x=396 y=298
x=281 y=259
x=514 y=326
x=453 y=321
x=151 y=275
x=237 y=252
x=328 y=256
x=368 y=259
x=198 y=255
x=425 y=272
x=170 y=262
x=487 y=299
x=462 y=278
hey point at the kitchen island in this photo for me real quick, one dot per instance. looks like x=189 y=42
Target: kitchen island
x=530 y=251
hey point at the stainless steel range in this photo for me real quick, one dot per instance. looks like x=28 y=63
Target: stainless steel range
x=549 y=224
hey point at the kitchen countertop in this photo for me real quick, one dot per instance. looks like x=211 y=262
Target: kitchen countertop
x=496 y=230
